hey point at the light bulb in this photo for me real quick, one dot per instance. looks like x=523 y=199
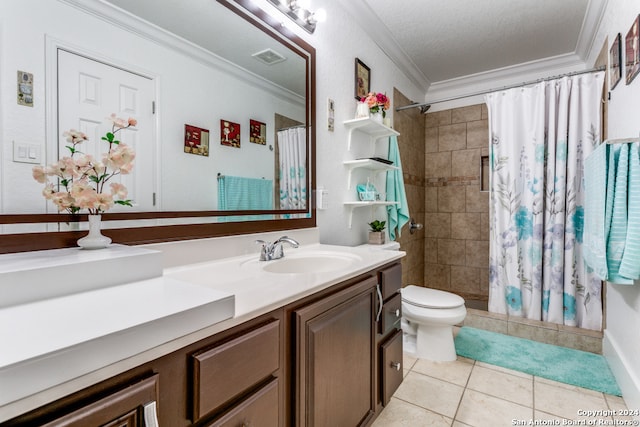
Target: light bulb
x=320 y=15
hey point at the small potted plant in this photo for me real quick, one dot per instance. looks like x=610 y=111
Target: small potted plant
x=376 y=233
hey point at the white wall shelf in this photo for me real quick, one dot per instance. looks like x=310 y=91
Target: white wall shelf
x=375 y=131
x=355 y=205
x=370 y=127
x=366 y=164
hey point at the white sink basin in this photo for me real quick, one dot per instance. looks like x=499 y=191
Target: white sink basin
x=311 y=263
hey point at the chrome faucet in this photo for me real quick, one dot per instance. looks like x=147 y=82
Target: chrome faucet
x=271 y=251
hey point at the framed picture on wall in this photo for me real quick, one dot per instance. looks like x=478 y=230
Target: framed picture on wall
x=229 y=134
x=632 y=50
x=615 y=67
x=362 y=80
x=257 y=132
x=196 y=140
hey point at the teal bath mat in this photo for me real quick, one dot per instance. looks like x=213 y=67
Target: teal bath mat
x=556 y=363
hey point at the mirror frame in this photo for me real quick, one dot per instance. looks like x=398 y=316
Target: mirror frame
x=22 y=242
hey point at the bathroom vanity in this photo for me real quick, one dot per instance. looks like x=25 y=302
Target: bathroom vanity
x=303 y=346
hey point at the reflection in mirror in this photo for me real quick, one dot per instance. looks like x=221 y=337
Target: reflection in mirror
x=185 y=71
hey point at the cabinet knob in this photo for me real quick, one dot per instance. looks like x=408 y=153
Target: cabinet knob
x=396 y=365
x=397 y=312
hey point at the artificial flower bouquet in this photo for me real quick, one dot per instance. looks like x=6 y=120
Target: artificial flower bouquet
x=81 y=180
x=377 y=102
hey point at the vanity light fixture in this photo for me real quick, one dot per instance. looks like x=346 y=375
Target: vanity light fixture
x=298 y=11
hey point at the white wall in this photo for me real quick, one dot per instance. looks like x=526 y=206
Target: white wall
x=338 y=41
x=622 y=339
x=189 y=92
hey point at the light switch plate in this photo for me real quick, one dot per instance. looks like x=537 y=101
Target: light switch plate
x=26 y=153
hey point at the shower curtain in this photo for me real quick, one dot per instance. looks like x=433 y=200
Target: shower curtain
x=292 y=145
x=540 y=137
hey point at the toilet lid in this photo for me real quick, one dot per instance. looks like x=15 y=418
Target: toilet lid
x=430 y=298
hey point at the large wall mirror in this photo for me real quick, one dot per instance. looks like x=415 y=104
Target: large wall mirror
x=224 y=99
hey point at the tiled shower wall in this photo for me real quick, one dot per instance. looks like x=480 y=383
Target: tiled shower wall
x=410 y=124
x=456 y=226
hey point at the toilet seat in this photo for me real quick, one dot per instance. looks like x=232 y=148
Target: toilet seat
x=430 y=298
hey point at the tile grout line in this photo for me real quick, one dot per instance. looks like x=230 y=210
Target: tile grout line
x=466 y=384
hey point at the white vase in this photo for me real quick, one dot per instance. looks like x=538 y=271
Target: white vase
x=95 y=239
x=376 y=117
x=362 y=110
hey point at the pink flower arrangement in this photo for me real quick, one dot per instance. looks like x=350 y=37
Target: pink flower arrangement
x=81 y=179
x=377 y=102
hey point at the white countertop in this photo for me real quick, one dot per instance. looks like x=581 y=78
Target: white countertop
x=50 y=333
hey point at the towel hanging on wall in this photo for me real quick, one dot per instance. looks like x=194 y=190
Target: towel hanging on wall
x=612 y=212
x=397 y=214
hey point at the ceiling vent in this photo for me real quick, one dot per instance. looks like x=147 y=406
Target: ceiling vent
x=269 y=56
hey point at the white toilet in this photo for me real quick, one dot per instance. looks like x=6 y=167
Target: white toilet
x=428 y=316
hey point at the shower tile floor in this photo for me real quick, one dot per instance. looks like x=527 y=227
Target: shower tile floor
x=471 y=393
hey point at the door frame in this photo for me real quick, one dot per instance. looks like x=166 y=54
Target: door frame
x=52 y=133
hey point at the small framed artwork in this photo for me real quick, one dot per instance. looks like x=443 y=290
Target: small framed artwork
x=25 y=88
x=229 y=134
x=362 y=79
x=196 y=140
x=632 y=50
x=615 y=68
x=257 y=132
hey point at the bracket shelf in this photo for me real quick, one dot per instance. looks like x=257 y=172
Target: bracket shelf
x=355 y=205
x=368 y=126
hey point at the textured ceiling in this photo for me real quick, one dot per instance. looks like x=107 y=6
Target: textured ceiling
x=446 y=39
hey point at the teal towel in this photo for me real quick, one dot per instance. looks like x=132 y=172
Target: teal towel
x=239 y=193
x=616 y=238
x=595 y=183
x=397 y=214
x=630 y=264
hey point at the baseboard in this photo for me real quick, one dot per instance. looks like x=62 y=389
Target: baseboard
x=624 y=372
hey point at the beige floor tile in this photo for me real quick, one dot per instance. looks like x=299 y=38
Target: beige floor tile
x=403 y=414
x=481 y=410
x=456 y=372
x=502 y=385
x=543 y=416
x=568 y=386
x=505 y=370
x=459 y=424
x=408 y=360
x=430 y=393
x=566 y=401
x=618 y=405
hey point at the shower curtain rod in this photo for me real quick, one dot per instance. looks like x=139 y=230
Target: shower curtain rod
x=425 y=105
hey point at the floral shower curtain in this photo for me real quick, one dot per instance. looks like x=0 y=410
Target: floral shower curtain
x=292 y=145
x=540 y=137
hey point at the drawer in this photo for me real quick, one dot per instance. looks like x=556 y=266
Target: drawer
x=223 y=372
x=122 y=408
x=392 y=372
x=391 y=315
x=390 y=280
x=259 y=409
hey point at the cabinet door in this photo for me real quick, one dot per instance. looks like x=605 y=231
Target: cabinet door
x=392 y=372
x=335 y=359
x=122 y=408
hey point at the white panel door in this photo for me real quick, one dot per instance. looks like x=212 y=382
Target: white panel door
x=88 y=93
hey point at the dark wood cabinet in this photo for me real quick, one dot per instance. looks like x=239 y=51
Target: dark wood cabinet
x=258 y=409
x=389 y=338
x=323 y=360
x=335 y=354
x=118 y=409
x=230 y=368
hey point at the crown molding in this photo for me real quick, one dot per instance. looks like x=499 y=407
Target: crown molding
x=133 y=24
x=477 y=84
x=375 y=28
x=590 y=24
